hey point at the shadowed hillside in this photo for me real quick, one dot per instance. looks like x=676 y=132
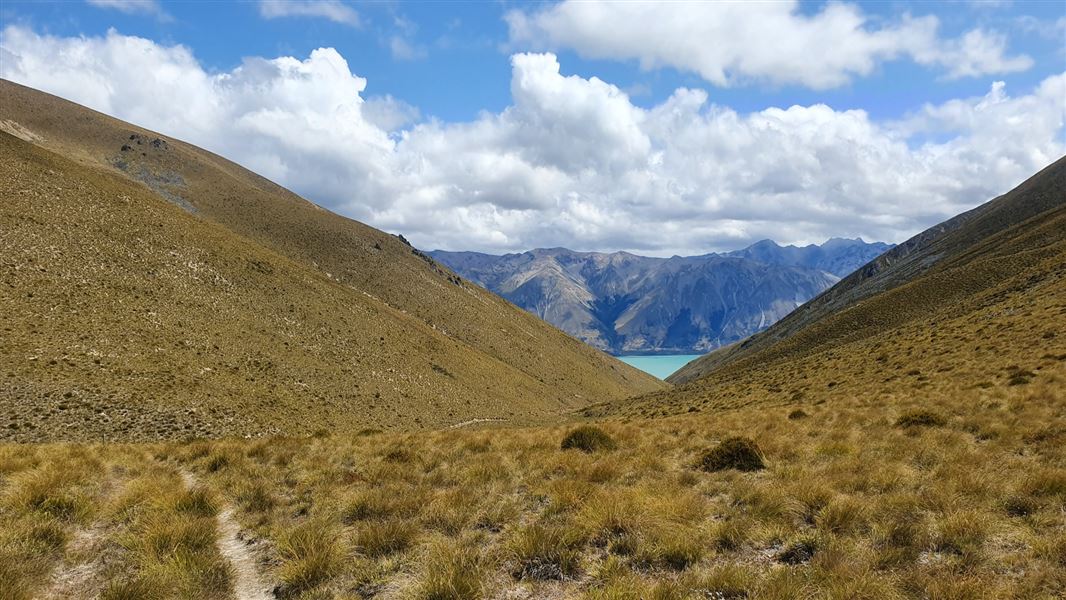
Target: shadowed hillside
x=976 y=302
x=152 y=289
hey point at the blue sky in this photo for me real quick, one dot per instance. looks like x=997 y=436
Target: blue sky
x=461 y=63
x=452 y=63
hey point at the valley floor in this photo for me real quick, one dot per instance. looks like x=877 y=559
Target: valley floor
x=966 y=502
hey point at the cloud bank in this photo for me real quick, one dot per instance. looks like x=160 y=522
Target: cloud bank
x=734 y=42
x=572 y=161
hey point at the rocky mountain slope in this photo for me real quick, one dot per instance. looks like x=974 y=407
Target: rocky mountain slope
x=624 y=303
x=838 y=256
x=975 y=303
x=153 y=289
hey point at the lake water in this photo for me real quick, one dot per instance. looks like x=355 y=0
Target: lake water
x=659 y=366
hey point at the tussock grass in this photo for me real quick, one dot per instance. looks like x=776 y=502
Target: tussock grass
x=850 y=506
x=542 y=552
x=384 y=538
x=312 y=553
x=168 y=535
x=453 y=571
x=738 y=453
x=921 y=418
x=588 y=438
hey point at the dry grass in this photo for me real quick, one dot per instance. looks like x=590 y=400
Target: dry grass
x=848 y=506
x=117 y=298
x=105 y=521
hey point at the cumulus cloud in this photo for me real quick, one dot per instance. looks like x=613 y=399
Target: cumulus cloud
x=733 y=42
x=334 y=10
x=572 y=161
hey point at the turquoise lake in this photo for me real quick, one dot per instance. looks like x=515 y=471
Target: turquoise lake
x=659 y=366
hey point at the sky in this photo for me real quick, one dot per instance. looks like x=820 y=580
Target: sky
x=655 y=128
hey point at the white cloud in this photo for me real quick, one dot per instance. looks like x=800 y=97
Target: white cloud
x=147 y=7
x=1051 y=30
x=734 y=42
x=334 y=10
x=402 y=49
x=388 y=113
x=572 y=161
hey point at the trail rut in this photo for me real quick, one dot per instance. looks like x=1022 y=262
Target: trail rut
x=247 y=582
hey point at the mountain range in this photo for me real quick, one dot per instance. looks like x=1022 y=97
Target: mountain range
x=623 y=303
x=970 y=307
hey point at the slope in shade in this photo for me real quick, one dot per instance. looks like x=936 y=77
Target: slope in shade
x=153 y=290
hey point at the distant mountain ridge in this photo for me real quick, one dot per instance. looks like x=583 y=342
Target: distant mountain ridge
x=990 y=234
x=839 y=256
x=628 y=304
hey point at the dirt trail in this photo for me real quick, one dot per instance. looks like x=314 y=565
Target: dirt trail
x=86 y=557
x=247 y=584
x=76 y=580
x=475 y=421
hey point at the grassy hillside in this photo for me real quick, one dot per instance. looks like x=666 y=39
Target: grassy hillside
x=908 y=444
x=959 y=247
x=975 y=304
x=154 y=290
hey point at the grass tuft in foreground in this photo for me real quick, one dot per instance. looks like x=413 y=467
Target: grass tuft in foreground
x=738 y=453
x=588 y=438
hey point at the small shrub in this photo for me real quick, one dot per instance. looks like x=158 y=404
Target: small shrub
x=921 y=418
x=797 y=414
x=738 y=453
x=588 y=439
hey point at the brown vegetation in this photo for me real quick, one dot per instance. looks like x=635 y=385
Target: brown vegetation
x=164 y=293
x=848 y=505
